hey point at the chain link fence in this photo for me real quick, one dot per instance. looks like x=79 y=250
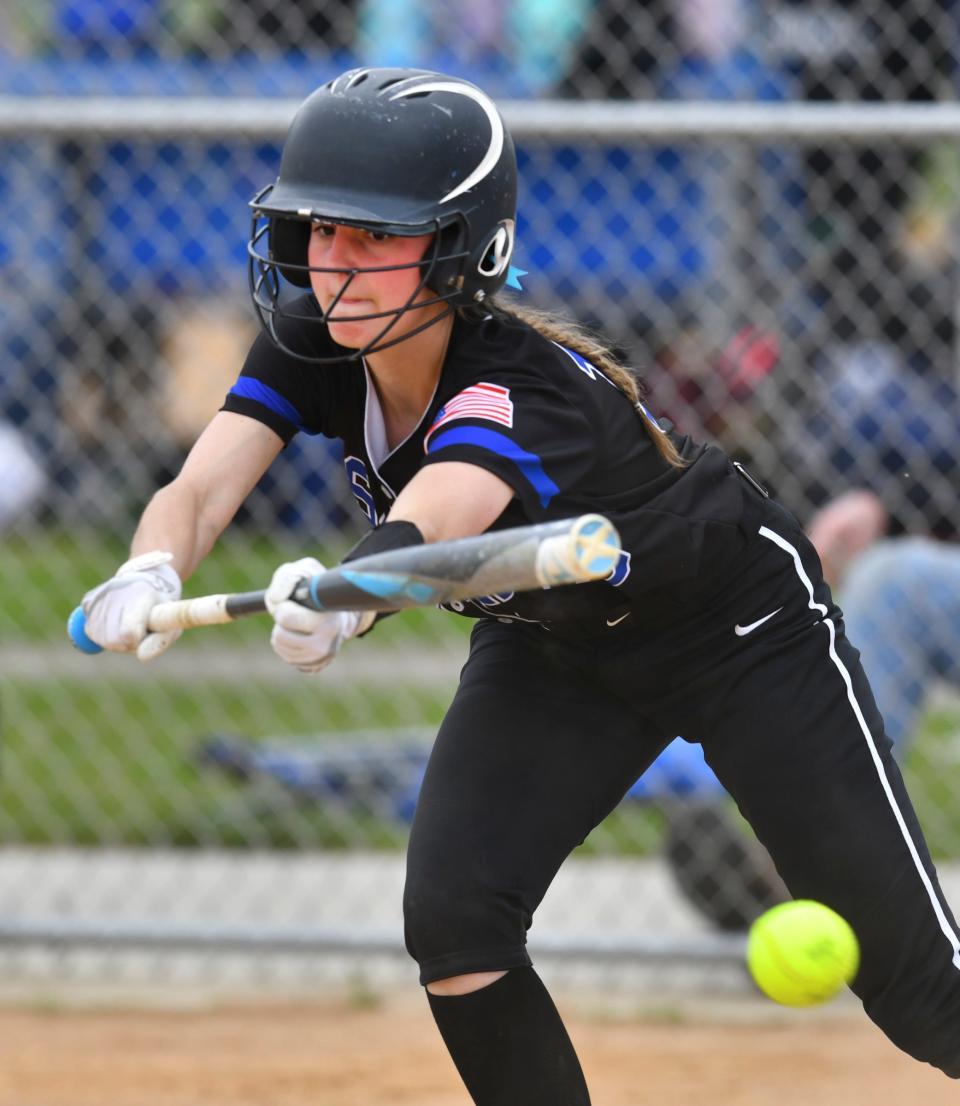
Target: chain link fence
x=781 y=271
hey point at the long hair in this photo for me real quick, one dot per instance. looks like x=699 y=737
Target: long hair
x=557 y=329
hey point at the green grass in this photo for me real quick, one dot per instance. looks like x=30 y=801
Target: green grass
x=44 y=575
x=108 y=761
x=112 y=762
x=932 y=772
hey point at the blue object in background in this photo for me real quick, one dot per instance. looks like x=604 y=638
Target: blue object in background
x=296 y=490
x=680 y=771
x=742 y=74
x=175 y=214
x=638 y=224
x=130 y=219
x=387 y=777
x=104 y=25
x=641 y=219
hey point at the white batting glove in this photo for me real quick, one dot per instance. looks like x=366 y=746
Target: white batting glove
x=117 y=610
x=306 y=639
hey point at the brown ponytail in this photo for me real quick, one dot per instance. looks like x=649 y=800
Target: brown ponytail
x=566 y=333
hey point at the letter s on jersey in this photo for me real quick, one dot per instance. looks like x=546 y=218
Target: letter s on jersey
x=360 y=486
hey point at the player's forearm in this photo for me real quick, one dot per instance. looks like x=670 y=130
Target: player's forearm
x=175 y=521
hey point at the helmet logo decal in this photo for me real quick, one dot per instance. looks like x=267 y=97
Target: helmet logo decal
x=492 y=156
x=497 y=255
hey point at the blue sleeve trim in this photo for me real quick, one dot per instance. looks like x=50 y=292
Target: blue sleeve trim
x=528 y=463
x=249 y=388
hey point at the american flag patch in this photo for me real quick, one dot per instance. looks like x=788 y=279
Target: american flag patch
x=480 y=401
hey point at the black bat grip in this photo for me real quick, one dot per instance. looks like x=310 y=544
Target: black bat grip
x=246 y=602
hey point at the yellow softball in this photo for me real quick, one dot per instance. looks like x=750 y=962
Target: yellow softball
x=802 y=953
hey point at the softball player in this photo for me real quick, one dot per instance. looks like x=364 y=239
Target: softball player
x=375 y=259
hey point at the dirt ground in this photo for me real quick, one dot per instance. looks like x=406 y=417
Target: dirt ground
x=340 y=1055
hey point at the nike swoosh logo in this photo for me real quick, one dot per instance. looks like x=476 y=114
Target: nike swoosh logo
x=741 y=631
x=614 y=621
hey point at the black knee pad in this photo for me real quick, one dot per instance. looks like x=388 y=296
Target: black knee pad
x=454 y=929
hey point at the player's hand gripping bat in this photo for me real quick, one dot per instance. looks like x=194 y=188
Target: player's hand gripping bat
x=547 y=555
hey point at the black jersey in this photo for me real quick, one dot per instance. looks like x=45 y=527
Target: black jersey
x=549 y=424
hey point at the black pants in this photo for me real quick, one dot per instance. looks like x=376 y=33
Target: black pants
x=547 y=732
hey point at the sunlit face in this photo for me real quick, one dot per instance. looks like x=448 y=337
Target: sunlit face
x=341 y=249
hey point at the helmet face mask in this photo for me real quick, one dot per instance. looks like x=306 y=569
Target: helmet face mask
x=270 y=299
x=398 y=151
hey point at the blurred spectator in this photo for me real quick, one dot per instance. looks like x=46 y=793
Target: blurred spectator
x=399 y=32
x=705 y=234
x=108 y=383
x=23 y=479
x=864 y=279
x=625 y=46
x=714 y=392
x=714 y=29
x=106 y=393
x=881 y=408
x=871 y=421
x=202 y=351
x=298 y=25
x=672 y=49
x=543 y=35
x=868 y=49
x=901 y=600
x=901 y=603
x=111 y=29
x=520 y=47
x=846 y=528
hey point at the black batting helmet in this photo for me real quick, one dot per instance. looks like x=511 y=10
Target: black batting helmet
x=399 y=151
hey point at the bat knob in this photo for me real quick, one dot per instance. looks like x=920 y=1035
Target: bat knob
x=596 y=546
x=77 y=632
x=588 y=550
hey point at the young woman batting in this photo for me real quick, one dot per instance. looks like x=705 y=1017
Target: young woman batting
x=375 y=261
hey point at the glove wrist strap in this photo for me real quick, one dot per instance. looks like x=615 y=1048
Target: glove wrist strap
x=144 y=562
x=157 y=564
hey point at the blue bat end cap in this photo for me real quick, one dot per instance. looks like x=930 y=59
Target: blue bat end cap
x=77 y=630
